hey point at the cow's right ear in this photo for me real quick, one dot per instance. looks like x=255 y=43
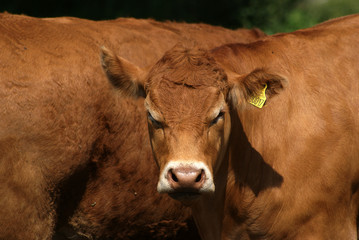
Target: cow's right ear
x=126 y=77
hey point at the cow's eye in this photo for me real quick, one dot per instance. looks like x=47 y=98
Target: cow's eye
x=154 y=122
x=216 y=119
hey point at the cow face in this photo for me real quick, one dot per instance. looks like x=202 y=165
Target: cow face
x=189 y=121
x=188 y=98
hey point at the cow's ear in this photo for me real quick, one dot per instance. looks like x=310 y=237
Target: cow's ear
x=246 y=87
x=123 y=75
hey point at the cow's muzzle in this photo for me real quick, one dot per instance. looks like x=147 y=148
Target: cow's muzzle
x=185 y=180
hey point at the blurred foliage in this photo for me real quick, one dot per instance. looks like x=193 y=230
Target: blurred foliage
x=308 y=13
x=269 y=15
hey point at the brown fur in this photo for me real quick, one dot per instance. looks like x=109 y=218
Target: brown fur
x=291 y=170
x=74 y=156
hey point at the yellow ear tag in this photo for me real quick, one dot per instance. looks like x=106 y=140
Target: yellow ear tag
x=259 y=100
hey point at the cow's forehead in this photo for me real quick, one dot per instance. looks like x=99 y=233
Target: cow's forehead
x=190 y=68
x=184 y=107
x=184 y=99
x=185 y=85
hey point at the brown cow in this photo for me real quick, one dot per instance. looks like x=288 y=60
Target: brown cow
x=69 y=147
x=289 y=170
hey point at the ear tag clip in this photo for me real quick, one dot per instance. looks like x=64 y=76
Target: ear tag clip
x=260 y=99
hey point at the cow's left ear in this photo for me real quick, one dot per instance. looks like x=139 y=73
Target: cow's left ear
x=245 y=87
x=123 y=75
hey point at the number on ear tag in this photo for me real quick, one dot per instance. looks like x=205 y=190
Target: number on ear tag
x=259 y=100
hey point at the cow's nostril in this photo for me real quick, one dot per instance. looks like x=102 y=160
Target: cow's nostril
x=200 y=176
x=173 y=176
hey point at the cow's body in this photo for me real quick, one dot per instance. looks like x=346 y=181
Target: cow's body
x=287 y=171
x=72 y=152
x=294 y=174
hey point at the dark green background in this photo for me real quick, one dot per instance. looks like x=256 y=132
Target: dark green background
x=269 y=15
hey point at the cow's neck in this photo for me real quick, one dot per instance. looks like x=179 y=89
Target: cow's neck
x=209 y=210
x=248 y=176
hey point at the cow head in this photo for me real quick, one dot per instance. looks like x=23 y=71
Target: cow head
x=188 y=98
